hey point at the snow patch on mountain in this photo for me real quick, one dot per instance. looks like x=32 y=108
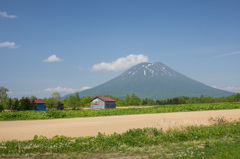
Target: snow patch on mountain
x=151 y=70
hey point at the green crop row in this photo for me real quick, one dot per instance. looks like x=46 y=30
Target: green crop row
x=133 y=138
x=53 y=114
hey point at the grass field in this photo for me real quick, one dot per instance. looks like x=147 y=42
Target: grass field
x=221 y=140
x=54 y=114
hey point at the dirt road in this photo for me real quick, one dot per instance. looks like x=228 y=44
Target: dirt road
x=75 y=127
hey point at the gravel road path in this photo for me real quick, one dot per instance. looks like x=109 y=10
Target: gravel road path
x=75 y=127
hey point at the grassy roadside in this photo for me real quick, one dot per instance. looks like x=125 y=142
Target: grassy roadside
x=54 y=114
x=221 y=140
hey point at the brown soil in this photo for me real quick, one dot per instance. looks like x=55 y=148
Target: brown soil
x=75 y=127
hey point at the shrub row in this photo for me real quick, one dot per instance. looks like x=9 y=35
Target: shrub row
x=53 y=114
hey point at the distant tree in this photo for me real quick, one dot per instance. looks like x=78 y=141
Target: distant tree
x=26 y=104
x=4 y=101
x=151 y=102
x=56 y=96
x=174 y=100
x=10 y=103
x=119 y=102
x=65 y=101
x=193 y=100
x=52 y=103
x=33 y=97
x=15 y=104
x=85 y=101
x=182 y=100
x=158 y=102
x=72 y=103
x=3 y=92
x=236 y=97
x=78 y=99
x=134 y=100
x=127 y=100
x=33 y=104
x=1 y=107
x=201 y=99
x=144 y=101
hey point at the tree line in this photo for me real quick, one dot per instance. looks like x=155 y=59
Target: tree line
x=18 y=105
x=75 y=101
x=26 y=103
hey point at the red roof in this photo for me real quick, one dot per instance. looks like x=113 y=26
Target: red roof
x=38 y=101
x=105 y=99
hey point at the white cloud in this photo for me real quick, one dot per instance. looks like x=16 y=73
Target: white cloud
x=121 y=63
x=228 y=54
x=232 y=89
x=69 y=90
x=59 y=89
x=5 y=15
x=53 y=58
x=8 y=44
x=84 y=88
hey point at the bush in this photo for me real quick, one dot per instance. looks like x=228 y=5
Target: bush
x=1 y=107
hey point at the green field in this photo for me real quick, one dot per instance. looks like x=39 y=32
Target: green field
x=221 y=140
x=54 y=114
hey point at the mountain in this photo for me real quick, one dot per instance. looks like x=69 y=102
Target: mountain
x=153 y=80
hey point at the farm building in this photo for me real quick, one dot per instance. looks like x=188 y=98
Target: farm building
x=102 y=103
x=41 y=104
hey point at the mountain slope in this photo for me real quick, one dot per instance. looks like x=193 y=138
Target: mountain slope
x=153 y=80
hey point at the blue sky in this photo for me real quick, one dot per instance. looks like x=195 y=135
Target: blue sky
x=67 y=46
